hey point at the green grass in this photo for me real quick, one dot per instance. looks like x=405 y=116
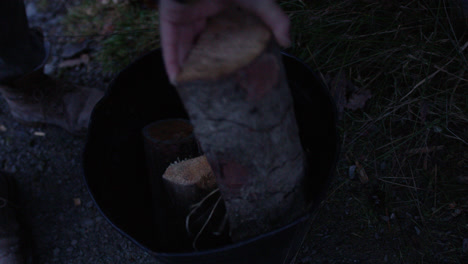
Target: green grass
x=411 y=137
x=125 y=32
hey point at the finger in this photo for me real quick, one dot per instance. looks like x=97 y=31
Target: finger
x=170 y=50
x=273 y=16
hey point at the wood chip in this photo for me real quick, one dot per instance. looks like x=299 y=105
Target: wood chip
x=39 y=133
x=83 y=59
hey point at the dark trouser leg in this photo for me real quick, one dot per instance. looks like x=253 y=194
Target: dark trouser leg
x=21 y=50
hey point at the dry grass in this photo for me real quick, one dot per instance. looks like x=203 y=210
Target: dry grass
x=412 y=136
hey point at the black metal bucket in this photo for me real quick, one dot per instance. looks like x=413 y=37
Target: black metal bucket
x=116 y=176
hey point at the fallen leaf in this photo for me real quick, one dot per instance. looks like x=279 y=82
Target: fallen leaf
x=362 y=173
x=3 y=128
x=345 y=94
x=337 y=86
x=83 y=59
x=358 y=100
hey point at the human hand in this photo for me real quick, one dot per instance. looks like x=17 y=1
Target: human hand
x=182 y=23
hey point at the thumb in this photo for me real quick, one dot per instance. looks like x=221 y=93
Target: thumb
x=273 y=16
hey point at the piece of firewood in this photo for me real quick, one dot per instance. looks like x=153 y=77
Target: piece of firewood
x=234 y=88
x=165 y=142
x=187 y=182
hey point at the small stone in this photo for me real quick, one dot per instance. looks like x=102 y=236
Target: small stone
x=31 y=10
x=74 y=242
x=3 y=128
x=70 y=249
x=49 y=69
x=56 y=251
x=465 y=245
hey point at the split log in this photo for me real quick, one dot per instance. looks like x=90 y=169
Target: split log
x=234 y=87
x=165 y=142
x=187 y=182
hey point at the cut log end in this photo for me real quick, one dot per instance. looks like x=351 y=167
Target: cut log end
x=196 y=171
x=187 y=182
x=239 y=37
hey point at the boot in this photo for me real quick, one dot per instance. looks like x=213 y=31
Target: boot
x=14 y=247
x=38 y=99
x=35 y=98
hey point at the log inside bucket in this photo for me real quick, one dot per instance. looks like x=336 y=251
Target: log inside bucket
x=234 y=88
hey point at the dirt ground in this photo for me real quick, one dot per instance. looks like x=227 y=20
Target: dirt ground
x=352 y=225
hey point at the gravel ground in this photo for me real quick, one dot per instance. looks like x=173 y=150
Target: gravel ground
x=67 y=227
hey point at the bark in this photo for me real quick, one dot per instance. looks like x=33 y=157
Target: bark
x=187 y=182
x=165 y=142
x=234 y=88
